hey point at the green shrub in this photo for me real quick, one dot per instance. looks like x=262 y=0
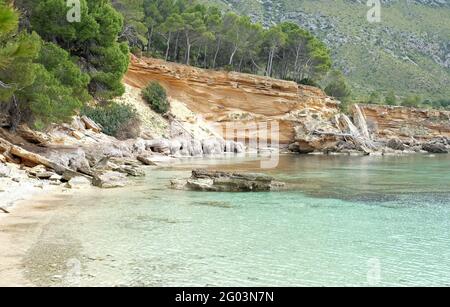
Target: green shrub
x=118 y=120
x=308 y=81
x=390 y=99
x=412 y=101
x=156 y=97
x=374 y=98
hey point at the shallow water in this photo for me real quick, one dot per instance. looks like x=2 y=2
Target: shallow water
x=350 y=221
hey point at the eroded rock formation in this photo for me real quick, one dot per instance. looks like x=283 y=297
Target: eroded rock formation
x=387 y=122
x=241 y=101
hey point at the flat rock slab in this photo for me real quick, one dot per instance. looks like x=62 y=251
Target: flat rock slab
x=217 y=181
x=157 y=160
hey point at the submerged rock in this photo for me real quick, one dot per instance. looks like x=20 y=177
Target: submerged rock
x=216 y=181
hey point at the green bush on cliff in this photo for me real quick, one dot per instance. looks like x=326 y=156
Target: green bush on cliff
x=118 y=120
x=156 y=97
x=412 y=101
x=337 y=86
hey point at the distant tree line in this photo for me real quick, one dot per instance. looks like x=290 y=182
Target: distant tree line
x=185 y=31
x=414 y=101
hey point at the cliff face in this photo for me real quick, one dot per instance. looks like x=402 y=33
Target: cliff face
x=386 y=122
x=239 y=99
x=301 y=117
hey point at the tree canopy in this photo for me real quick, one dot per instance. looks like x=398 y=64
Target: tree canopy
x=50 y=67
x=187 y=32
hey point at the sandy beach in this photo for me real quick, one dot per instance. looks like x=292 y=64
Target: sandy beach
x=30 y=209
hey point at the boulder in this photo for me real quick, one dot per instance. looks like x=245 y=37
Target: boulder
x=196 y=148
x=161 y=160
x=77 y=134
x=139 y=146
x=5 y=171
x=105 y=165
x=396 y=144
x=216 y=181
x=55 y=178
x=73 y=158
x=239 y=148
x=176 y=146
x=78 y=124
x=234 y=147
x=160 y=146
x=110 y=180
x=435 y=148
x=213 y=146
x=294 y=147
x=130 y=171
x=146 y=160
x=230 y=146
x=78 y=182
x=186 y=147
x=90 y=124
x=40 y=172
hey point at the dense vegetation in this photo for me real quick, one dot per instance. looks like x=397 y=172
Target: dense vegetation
x=188 y=32
x=156 y=97
x=51 y=67
x=119 y=120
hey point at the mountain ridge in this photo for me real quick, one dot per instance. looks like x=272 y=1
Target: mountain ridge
x=408 y=52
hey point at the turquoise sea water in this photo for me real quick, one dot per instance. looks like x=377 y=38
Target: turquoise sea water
x=348 y=221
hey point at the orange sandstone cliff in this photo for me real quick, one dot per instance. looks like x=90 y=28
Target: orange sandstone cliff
x=387 y=122
x=307 y=118
x=229 y=97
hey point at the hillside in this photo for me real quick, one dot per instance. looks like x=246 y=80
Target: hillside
x=408 y=52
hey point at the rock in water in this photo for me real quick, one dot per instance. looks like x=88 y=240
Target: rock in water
x=435 y=148
x=215 y=181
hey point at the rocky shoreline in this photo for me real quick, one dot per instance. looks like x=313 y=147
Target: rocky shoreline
x=362 y=132
x=78 y=155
